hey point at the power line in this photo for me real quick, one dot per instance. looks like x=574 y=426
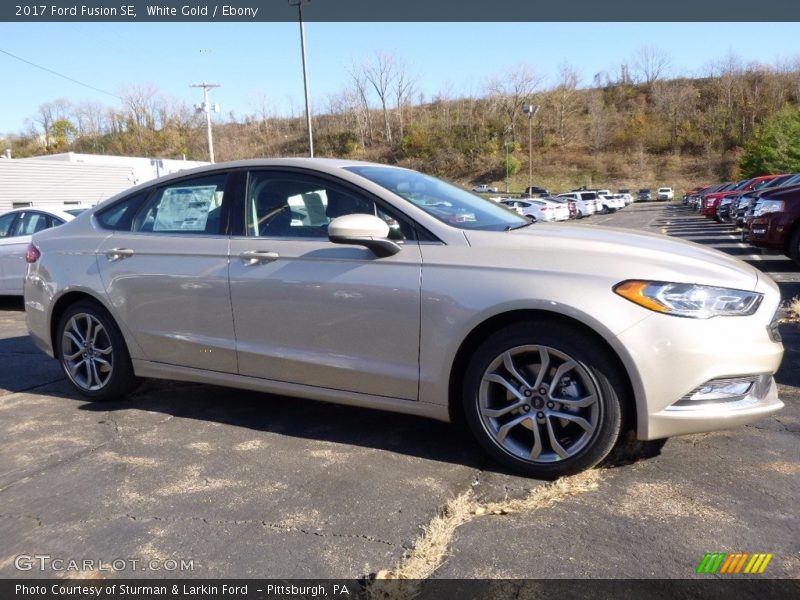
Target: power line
x=86 y=85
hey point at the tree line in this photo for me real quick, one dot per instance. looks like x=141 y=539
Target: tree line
x=635 y=126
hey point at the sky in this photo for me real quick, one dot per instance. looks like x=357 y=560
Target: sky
x=254 y=62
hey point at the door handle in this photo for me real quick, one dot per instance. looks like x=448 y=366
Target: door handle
x=258 y=257
x=119 y=254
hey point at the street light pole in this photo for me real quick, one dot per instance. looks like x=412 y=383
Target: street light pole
x=505 y=146
x=207 y=108
x=530 y=110
x=299 y=5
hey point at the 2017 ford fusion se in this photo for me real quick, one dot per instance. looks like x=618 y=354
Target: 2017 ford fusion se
x=382 y=287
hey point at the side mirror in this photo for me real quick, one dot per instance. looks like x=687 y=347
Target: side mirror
x=363 y=230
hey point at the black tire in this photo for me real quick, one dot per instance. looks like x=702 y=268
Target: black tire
x=593 y=374
x=793 y=251
x=109 y=381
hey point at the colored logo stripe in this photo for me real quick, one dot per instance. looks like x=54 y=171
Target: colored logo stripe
x=737 y=562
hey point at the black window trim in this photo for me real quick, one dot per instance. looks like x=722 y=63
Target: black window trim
x=146 y=193
x=238 y=230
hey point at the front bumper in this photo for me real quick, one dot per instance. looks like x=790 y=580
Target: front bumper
x=769 y=231
x=677 y=420
x=675 y=356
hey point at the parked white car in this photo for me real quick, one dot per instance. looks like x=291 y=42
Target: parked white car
x=484 y=188
x=627 y=198
x=611 y=202
x=528 y=208
x=539 y=209
x=665 y=193
x=585 y=202
x=16 y=228
x=558 y=210
x=552 y=343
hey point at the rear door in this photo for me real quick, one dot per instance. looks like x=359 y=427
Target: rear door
x=165 y=269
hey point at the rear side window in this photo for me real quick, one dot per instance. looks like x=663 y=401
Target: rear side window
x=119 y=216
x=190 y=206
x=5 y=224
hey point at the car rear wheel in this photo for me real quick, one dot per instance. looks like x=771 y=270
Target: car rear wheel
x=542 y=399
x=93 y=354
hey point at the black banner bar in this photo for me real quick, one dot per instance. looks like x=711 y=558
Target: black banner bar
x=401 y=10
x=435 y=589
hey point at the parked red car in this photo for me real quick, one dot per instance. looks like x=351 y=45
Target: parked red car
x=732 y=197
x=776 y=222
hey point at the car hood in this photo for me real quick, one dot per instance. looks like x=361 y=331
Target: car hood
x=609 y=252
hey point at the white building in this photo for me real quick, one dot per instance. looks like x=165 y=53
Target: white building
x=77 y=179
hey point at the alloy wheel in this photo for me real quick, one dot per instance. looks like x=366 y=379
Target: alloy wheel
x=86 y=352
x=539 y=404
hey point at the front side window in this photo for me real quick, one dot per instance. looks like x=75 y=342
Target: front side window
x=191 y=206
x=294 y=205
x=446 y=202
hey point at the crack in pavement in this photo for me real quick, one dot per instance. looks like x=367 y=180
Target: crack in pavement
x=208 y=521
x=55 y=463
x=431 y=548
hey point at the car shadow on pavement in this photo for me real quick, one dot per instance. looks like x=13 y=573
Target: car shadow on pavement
x=14 y=303
x=308 y=419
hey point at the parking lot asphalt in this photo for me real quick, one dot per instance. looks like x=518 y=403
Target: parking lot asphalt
x=251 y=485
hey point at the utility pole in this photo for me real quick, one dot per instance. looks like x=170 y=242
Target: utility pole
x=299 y=5
x=207 y=108
x=530 y=110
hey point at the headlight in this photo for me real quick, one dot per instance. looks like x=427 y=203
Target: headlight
x=764 y=207
x=689 y=300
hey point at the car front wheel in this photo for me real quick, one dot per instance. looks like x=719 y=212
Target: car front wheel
x=794 y=246
x=93 y=354
x=542 y=399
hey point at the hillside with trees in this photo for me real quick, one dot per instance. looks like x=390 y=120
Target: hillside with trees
x=629 y=129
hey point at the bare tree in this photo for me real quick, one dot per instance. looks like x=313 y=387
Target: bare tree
x=566 y=101
x=47 y=115
x=142 y=102
x=675 y=101
x=381 y=73
x=360 y=96
x=404 y=87
x=651 y=63
x=512 y=91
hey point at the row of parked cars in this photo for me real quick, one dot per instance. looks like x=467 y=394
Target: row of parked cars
x=576 y=204
x=766 y=209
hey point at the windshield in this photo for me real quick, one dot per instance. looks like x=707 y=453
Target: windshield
x=446 y=202
x=741 y=185
x=74 y=211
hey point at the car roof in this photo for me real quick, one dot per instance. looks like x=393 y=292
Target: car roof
x=55 y=212
x=331 y=166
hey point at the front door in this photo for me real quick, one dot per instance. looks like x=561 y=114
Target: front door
x=311 y=312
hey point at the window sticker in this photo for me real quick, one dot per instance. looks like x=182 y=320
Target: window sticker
x=184 y=209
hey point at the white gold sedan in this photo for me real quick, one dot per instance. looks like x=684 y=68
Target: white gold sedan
x=16 y=228
x=382 y=287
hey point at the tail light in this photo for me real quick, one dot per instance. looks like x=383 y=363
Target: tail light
x=32 y=253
